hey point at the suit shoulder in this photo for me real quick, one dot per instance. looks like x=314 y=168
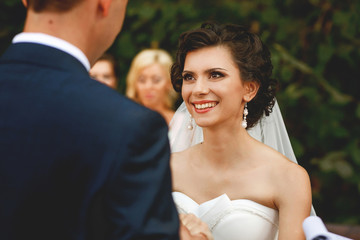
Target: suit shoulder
x=111 y=104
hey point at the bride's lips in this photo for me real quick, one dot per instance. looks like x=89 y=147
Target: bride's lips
x=204 y=105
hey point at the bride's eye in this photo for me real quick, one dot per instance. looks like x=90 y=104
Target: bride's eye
x=216 y=75
x=187 y=77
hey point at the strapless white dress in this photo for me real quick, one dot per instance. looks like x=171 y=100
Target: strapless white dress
x=232 y=219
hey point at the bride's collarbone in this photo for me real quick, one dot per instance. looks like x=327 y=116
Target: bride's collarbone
x=205 y=182
x=205 y=176
x=205 y=187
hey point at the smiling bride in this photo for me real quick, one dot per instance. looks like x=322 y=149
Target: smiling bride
x=242 y=188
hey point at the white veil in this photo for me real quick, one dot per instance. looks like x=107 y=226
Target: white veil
x=270 y=130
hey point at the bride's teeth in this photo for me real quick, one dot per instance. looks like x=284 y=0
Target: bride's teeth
x=205 y=105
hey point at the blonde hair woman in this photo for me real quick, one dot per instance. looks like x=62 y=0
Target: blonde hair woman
x=148 y=81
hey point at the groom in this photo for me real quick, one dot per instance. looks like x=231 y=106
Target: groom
x=77 y=160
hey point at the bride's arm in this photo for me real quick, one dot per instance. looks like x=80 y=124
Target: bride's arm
x=293 y=201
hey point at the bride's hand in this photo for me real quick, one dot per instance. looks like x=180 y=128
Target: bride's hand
x=192 y=227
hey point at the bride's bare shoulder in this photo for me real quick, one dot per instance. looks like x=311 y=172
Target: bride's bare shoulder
x=181 y=168
x=180 y=160
x=285 y=173
x=181 y=157
x=280 y=167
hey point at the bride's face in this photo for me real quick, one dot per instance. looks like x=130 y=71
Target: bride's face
x=212 y=88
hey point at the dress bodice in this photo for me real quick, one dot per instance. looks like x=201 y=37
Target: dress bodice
x=232 y=219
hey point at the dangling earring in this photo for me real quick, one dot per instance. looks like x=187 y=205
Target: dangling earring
x=246 y=112
x=190 y=126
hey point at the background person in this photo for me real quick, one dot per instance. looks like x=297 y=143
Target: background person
x=148 y=81
x=105 y=71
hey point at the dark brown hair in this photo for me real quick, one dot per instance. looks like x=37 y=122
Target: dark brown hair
x=52 y=5
x=249 y=53
x=110 y=58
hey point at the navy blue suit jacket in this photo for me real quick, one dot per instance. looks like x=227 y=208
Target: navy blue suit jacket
x=77 y=159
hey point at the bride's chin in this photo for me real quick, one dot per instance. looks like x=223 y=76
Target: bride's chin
x=203 y=124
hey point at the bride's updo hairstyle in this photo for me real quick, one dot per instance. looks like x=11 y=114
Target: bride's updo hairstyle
x=249 y=53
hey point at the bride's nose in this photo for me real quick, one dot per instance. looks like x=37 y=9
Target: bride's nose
x=201 y=87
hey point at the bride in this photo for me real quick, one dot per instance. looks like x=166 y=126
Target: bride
x=242 y=188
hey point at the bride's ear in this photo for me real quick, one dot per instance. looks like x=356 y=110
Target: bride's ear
x=251 y=89
x=24 y=3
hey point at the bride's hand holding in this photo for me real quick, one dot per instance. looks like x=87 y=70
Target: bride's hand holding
x=191 y=227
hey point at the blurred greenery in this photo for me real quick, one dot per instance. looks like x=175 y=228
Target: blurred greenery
x=316 y=55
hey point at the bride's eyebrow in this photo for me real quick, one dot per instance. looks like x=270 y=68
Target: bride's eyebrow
x=215 y=69
x=206 y=71
x=187 y=71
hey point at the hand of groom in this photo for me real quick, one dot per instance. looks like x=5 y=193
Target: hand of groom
x=192 y=228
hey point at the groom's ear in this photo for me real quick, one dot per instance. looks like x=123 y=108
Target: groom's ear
x=104 y=6
x=25 y=3
x=251 y=89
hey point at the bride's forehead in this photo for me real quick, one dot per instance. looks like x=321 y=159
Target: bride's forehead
x=218 y=50
x=209 y=57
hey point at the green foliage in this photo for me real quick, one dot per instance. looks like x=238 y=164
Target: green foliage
x=12 y=17
x=316 y=54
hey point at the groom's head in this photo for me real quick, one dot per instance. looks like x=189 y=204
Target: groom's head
x=91 y=25
x=52 y=5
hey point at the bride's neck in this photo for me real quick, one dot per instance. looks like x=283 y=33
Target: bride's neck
x=225 y=144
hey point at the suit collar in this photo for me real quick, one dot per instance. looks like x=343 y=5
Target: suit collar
x=51 y=41
x=38 y=54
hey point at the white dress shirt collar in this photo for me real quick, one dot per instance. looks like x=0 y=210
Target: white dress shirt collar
x=45 y=39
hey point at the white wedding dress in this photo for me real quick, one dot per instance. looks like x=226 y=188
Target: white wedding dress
x=232 y=219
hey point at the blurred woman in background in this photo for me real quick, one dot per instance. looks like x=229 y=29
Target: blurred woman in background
x=148 y=82
x=105 y=71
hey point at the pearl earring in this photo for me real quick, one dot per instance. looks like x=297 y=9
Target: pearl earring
x=246 y=112
x=190 y=126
